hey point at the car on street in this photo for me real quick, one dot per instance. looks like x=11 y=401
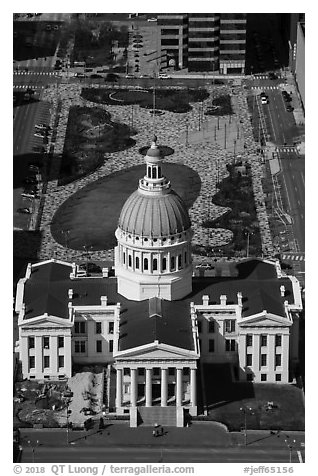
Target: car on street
x=289 y=108
x=129 y=76
x=163 y=76
x=29 y=195
x=80 y=75
x=264 y=98
x=26 y=211
x=42 y=126
x=39 y=134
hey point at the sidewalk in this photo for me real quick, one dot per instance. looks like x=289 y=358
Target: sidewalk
x=207 y=434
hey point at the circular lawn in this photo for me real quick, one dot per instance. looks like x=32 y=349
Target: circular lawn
x=90 y=216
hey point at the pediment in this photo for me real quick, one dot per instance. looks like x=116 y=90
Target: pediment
x=157 y=352
x=268 y=320
x=45 y=322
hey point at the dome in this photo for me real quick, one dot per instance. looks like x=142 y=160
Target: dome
x=153 y=215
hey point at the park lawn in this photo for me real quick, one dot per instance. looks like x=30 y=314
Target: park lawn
x=289 y=414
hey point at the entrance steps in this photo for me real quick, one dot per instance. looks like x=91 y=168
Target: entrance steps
x=165 y=416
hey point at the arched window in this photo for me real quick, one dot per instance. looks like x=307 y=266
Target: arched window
x=146 y=264
x=172 y=262
x=149 y=172
x=155 y=264
x=164 y=264
x=159 y=172
x=154 y=172
x=137 y=262
x=179 y=262
x=124 y=257
x=129 y=260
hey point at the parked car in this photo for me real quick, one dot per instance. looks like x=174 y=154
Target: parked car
x=163 y=76
x=27 y=211
x=129 y=76
x=42 y=126
x=289 y=108
x=264 y=100
x=39 y=134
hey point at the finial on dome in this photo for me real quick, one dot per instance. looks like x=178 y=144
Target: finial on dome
x=154 y=141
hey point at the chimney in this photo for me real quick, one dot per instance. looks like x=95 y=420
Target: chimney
x=73 y=273
x=239 y=298
x=223 y=299
x=70 y=308
x=70 y=294
x=205 y=300
x=105 y=272
x=282 y=290
x=103 y=301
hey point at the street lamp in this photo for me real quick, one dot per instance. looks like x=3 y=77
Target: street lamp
x=290 y=445
x=246 y=410
x=33 y=446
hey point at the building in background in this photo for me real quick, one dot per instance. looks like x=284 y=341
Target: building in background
x=205 y=42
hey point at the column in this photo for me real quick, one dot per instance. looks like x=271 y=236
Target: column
x=54 y=355
x=193 y=387
x=68 y=355
x=38 y=357
x=133 y=387
x=285 y=357
x=164 y=387
x=119 y=387
x=242 y=356
x=179 y=388
x=148 y=387
x=256 y=352
x=271 y=357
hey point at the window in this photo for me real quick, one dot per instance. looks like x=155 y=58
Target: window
x=46 y=342
x=263 y=377
x=60 y=342
x=249 y=359
x=149 y=172
x=249 y=377
x=111 y=328
x=126 y=388
x=164 y=264
x=185 y=257
x=111 y=345
x=98 y=327
x=129 y=260
x=46 y=361
x=229 y=325
x=155 y=264
x=137 y=262
x=146 y=264
x=172 y=262
x=171 y=371
x=211 y=345
x=141 y=371
x=211 y=329
x=278 y=377
x=80 y=328
x=98 y=346
x=80 y=346
x=124 y=257
x=249 y=340
x=199 y=327
x=263 y=341
x=126 y=371
x=179 y=262
x=278 y=341
x=61 y=361
x=278 y=360
x=230 y=345
x=32 y=362
x=263 y=360
x=31 y=342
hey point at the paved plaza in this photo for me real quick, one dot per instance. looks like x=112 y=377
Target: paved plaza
x=206 y=144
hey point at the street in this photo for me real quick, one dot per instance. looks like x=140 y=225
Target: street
x=123 y=454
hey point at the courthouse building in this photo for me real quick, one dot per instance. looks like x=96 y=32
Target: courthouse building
x=154 y=322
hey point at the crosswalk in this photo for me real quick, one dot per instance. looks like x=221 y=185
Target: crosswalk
x=293 y=257
x=265 y=87
x=27 y=86
x=39 y=73
x=286 y=149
